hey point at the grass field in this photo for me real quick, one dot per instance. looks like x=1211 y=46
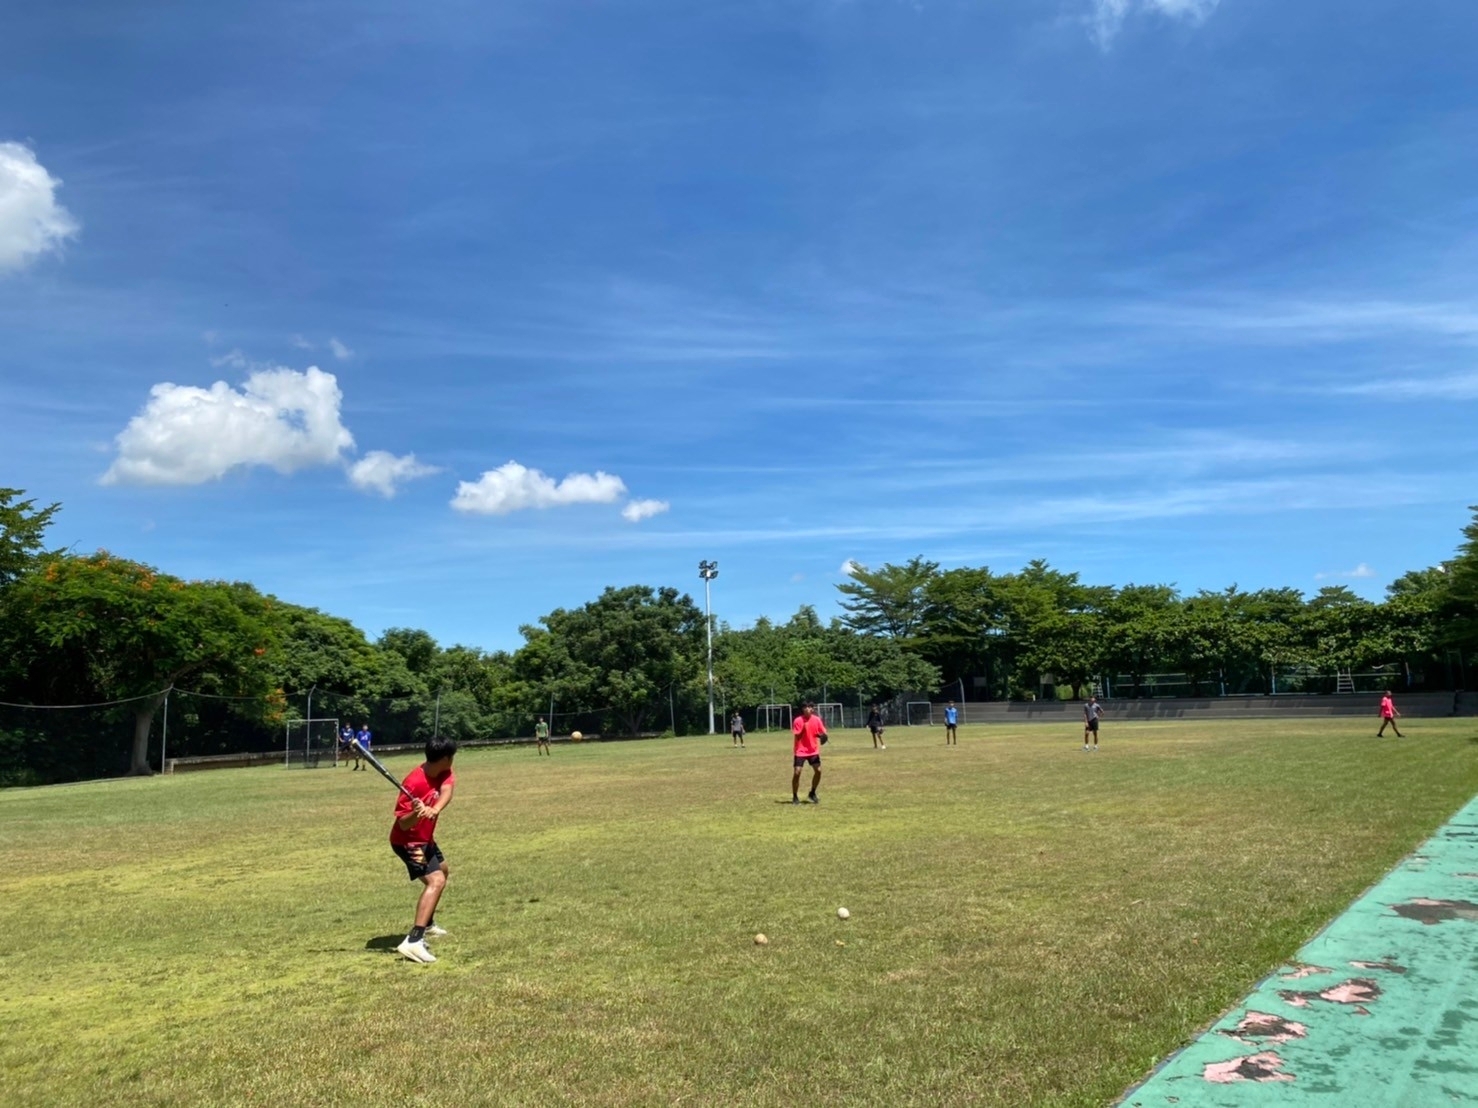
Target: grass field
x=1031 y=925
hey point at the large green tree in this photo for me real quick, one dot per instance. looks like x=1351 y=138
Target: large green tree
x=106 y=628
x=621 y=653
x=22 y=526
x=888 y=601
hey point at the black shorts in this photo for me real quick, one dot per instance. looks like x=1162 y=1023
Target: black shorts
x=876 y=729
x=802 y=759
x=1092 y=725
x=430 y=861
x=737 y=734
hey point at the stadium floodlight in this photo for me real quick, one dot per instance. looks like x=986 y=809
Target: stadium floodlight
x=708 y=571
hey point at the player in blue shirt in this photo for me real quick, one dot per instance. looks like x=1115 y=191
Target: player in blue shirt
x=951 y=724
x=362 y=736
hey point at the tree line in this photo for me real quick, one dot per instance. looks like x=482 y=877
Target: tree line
x=1007 y=634
x=233 y=664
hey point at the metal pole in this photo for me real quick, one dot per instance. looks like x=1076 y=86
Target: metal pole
x=708 y=571
x=671 y=711
x=308 y=727
x=164 y=745
x=708 y=607
x=436 y=726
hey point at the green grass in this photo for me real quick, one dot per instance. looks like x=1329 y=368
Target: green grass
x=1030 y=924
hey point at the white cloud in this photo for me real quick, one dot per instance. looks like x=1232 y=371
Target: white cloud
x=1109 y=15
x=187 y=435
x=1361 y=570
x=300 y=342
x=1451 y=386
x=342 y=352
x=31 y=221
x=849 y=568
x=512 y=487
x=638 y=510
x=381 y=471
x=235 y=359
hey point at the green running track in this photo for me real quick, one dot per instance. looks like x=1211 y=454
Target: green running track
x=1380 y=1008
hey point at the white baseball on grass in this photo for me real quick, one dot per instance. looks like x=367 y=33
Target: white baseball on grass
x=842 y=913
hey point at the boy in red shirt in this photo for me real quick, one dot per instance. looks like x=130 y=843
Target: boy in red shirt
x=1388 y=715
x=413 y=838
x=810 y=733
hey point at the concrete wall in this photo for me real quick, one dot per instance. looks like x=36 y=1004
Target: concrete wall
x=1415 y=705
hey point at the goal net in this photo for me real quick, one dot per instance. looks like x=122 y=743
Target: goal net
x=308 y=741
x=770 y=717
x=918 y=712
x=830 y=713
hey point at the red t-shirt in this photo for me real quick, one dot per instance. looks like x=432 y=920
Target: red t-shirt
x=1387 y=709
x=808 y=734
x=427 y=791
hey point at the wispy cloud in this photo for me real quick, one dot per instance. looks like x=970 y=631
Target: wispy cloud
x=638 y=510
x=1108 y=16
x=340 y=351
x=1360 y=571
x=381 y=472
x=186 y=435
x=1442 y=386
x=849 y=568
x=513 y=487
x=32 y=223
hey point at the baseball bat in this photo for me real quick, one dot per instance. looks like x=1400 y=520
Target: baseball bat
x=385 y=773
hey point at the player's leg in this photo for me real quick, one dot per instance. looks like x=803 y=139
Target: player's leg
x=795 y=782
x=815 y=781
x=426 y=865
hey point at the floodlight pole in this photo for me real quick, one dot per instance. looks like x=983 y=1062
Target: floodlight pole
x=708 y=571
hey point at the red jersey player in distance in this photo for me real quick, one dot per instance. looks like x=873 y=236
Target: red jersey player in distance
x=413 y=838
x=809 y=733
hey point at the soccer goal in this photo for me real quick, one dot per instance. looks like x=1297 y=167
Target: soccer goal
x=307 y=741
x=917 y=712
x=830 y=713
x=769 y=717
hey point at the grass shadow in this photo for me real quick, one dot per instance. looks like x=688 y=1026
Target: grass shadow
x=385 y=942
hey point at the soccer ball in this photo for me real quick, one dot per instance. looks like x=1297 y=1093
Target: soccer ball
x=842 y=913
x=575 y=736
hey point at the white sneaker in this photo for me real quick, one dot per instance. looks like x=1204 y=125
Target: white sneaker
x=415 y=951
x=435 y=932
x=1087 y=747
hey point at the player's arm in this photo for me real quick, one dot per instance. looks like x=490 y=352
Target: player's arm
x=434 y=810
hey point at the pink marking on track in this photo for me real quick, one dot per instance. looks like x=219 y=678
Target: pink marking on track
x=1305 y=971
x=1266 y=1066
x=1264 y=1027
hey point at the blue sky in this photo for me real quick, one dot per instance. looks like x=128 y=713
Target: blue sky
x=1159 y=290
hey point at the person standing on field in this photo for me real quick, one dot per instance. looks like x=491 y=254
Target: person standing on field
x=413 y=838
x=736 y=728
x=346 y=742
x=1388 y=714
x=1092 y=711
x=951 y=725
x=809 y=734
x=875 y=725
x=362 y=736
x=541 y=737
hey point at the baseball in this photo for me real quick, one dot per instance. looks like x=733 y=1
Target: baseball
x=761 y=940
x=842 y=913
